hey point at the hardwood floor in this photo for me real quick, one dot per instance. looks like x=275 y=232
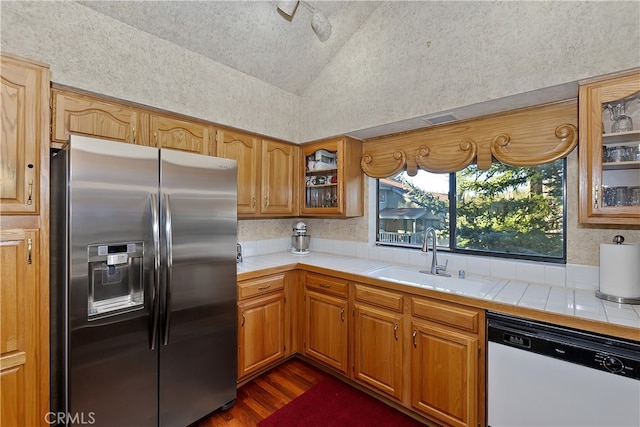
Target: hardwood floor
x=267 y=393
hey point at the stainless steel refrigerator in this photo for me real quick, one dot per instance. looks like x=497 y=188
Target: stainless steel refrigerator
x=143 y=284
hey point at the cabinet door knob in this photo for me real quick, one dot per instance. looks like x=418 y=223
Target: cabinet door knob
x=395 y=332
x=253 y=202
x=595 y=197
x=243 y=319
x=415 y=333
x=262 y=288
x=342 y=315
x=133 y=130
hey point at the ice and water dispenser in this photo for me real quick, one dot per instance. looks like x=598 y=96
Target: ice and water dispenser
x=115 y=278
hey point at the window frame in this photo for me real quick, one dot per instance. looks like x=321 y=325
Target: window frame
x=473 y=252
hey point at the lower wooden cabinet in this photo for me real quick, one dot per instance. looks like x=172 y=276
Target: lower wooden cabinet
x=425 y=354
x=377 y=349
x=261 y=324
x=20 y=385
x=378 y=343
x=326 y=332
x=446 y=361
x=444 y=374
x=260 y=333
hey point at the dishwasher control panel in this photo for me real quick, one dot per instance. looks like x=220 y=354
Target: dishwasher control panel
x=619 y=365
x=604 y=353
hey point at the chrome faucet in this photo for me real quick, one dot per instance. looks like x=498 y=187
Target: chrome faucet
x=435 y=267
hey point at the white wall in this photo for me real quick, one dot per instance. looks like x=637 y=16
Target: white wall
x=90 y=51
x=415 y=58
x=408 y=59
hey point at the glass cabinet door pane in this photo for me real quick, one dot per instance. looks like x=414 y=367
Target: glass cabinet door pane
x=321 y=179
x=621 y=152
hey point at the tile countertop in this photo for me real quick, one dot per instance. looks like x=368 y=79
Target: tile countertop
x=578 y=303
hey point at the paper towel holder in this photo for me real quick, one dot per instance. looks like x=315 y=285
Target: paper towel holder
x=634 y=298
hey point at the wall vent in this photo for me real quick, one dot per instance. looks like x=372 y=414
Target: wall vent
x=438 y=120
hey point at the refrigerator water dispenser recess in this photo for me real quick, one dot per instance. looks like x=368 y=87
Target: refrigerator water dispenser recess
x=115 y=279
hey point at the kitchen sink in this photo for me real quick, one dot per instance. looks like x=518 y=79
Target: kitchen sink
x=413 y=277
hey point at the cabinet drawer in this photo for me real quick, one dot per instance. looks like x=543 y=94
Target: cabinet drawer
x=261 y=285
x=447 y=314
x=378 y=297
x=328 y=284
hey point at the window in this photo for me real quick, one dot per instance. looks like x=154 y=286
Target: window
x=515 y=212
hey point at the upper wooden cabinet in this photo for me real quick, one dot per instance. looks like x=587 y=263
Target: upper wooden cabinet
x=25 y=111
x=244 y=148
x=91 y=116
x=279 y=177
x=267 y=173
x=85 y=114
x=331 y=178
x=178 y=134
x=610 y=150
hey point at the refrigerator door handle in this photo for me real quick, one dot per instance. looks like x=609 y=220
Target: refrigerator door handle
x=169 y=264
x=155 y=227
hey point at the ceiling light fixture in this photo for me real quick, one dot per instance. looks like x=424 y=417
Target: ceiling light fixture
x=319 y=22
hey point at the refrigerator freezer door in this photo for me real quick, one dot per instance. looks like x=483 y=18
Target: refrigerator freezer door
x=112 y=372
x=198 y=333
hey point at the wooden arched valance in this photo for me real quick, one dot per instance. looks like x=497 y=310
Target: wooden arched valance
x=526 y=137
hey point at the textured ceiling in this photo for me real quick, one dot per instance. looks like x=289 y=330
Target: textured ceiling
x=249 y=36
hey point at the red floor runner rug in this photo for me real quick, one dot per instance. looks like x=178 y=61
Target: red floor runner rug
x=332 y=403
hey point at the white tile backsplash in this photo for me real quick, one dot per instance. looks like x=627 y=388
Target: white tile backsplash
x=457 y=263
x=582 y=276
x=572 y=275
x=554 y=275
x=478 y=265
x=502 y=268
x=249 y=249
x=530 y=271
x=262 y=247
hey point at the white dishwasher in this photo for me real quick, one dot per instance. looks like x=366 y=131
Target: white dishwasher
x=544 y=375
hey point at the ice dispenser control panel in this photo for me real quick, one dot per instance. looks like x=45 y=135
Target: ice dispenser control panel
x=115 y=278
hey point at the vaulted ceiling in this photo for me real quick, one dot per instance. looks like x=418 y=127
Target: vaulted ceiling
x=249 y=36
x=255 y=38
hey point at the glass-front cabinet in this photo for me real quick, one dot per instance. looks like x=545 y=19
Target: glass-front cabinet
x=332 y=178
x=610 y=149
